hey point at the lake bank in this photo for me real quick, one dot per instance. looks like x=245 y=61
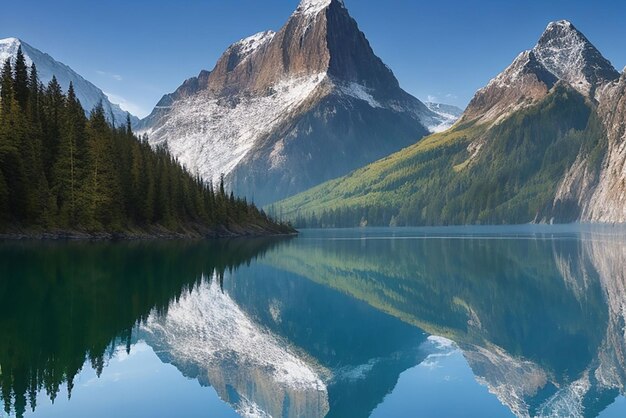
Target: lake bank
x=152 y=233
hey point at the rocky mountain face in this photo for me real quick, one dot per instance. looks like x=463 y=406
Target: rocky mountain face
x=593 y=187
x=562 y=54
x=88 y=94
x=282 y=112
x=543 y=141
x=598 y=191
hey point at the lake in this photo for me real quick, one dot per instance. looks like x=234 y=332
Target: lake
x=432 y=322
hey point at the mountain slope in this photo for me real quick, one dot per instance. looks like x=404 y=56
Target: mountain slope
x=88 y=94
x=282 y=112
x=531 y=146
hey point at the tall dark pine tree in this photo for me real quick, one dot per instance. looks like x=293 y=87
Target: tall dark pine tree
x=6 y=146
x=34 y=94
x=103 y=183
x=68 y=168
x=20 y=86
x=53 y=106
x=6 y=86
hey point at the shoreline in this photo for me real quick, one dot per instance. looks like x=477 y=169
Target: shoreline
x=155 y=233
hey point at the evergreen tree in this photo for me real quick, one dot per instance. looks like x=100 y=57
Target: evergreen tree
x=20 y=86
x=6 y=86
x=68 y=170
x=53 y=106
x=103 y=189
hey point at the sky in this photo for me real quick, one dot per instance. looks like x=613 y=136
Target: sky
x=440 y=50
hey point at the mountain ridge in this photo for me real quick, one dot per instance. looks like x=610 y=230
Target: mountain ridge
x=88 y=94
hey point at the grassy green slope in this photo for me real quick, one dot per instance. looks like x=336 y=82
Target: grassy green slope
x=434 y=182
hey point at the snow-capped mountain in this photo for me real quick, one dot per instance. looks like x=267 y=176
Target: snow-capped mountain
x=282 y=112
x=562 y=54
x=592 y=189
x=88 y=94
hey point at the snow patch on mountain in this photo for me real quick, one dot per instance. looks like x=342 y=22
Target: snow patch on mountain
x=212 y=135
x=359 y=92
x=313 y=7
x=250 y=44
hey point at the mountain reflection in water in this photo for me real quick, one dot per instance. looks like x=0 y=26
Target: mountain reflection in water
x=327 y=323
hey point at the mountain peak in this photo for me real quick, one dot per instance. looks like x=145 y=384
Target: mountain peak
x=313 y=7
x=570 y=56
x=566 y=24
x=10 y=41
x=9 y=47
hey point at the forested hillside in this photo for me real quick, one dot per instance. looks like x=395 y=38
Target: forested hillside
x=62 y=171
x=439 y=181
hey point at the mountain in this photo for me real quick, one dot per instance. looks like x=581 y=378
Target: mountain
x=88 y=94
x=541 y=142
x=285 y=111
x=563 y=54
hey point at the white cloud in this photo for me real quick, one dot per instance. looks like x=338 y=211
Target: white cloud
x=114 y=76
x=127 y=105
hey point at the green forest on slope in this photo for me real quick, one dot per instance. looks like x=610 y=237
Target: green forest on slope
x=513 y=179
x=62 y=171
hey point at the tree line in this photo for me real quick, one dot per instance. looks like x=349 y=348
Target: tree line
x=63 y=170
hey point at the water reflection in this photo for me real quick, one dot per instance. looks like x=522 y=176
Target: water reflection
x=326 y=324
x=63 y=303
x=539 y=319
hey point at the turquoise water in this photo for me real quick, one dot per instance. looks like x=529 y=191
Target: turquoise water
x=430 y=322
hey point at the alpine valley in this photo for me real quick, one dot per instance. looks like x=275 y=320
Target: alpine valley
x=283 y=112
x=544 y=141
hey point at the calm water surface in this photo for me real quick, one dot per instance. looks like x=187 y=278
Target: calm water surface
x=440 y=322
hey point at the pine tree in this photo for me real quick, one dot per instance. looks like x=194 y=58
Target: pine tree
x=53 y=106
x=68 y=167
x=103 y=188
x=6 y=86
x=20 y=86
x=34 y=94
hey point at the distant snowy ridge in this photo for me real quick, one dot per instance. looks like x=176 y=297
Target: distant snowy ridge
x=88 y=94
x=448 y=115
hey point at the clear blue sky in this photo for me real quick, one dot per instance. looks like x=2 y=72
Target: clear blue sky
x=139 y=50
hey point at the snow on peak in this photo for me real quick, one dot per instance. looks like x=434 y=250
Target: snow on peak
x=9 y=41
x=313 y=7
x=568 y=54
x=250 y=44
x=8 y=49
x=560 y=24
